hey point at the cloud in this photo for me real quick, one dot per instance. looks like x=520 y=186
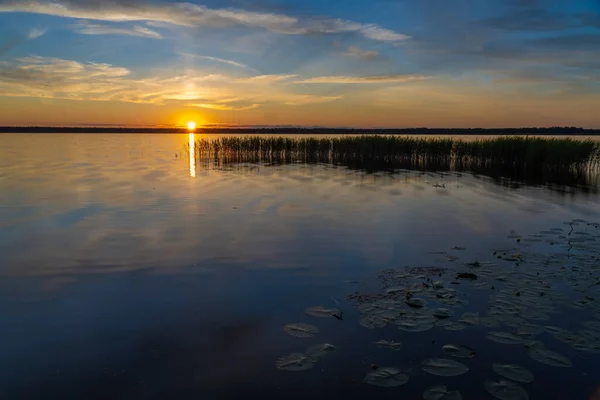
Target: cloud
x=360 y=53
x=224 y=107
x=223 y=61
x=197 y=16
x=363 y=79
x=267 y=78
x=15 y=41
x=88 y=28
x=36 y=33
x=310 y=99
x=66 y=79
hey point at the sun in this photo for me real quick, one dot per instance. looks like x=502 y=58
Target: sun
x=191 y=125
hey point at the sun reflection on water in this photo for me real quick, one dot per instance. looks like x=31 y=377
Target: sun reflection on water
x=192 y=155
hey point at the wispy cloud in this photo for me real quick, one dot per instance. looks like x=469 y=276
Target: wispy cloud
x=66 y=79
x=267 y=78
x=191 y=15
x=360 y=53
x=363 y=79
x=310 y=99
x=224 y=107
x=88 y=28
x=224 y=61
x=36 y=33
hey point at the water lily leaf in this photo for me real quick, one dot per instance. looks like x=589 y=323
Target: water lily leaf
x=442 y=313
x=322 y=312
x=411 y=326
x=301 y=330
x=416 y=302
x=386 y=377
x=319 y=351
x=443 y=367
x=466 y=275
x=445 y=293
x=440 y=392
x=394 y=290
x=588 y=347
x=504 y=337
x=459 y=351
x=506 y=390
x=469 y=318
x=450 y=325
x=389 y=344
x=372 y=321
x=513 y=372
x=550 y=358
x=294 y=362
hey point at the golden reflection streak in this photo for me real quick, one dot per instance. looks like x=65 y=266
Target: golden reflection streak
x=192 y=155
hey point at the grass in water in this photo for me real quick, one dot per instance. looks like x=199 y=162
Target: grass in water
x=507 y=153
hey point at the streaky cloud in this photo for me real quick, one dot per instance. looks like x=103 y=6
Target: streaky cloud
x=55 y=78
x=197 y=16
x=36 y=33
x=360 y=53
x=224 y=107
x=267 y=78
x=87 y=28
x=224 y=61
x=363 y=79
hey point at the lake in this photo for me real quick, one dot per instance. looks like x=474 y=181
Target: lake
x=129 y=270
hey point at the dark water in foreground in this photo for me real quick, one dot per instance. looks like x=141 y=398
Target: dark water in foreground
x=127 y=272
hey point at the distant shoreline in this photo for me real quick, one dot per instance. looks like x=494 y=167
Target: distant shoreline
x=312 y=131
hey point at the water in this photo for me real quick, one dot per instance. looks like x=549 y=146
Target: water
x=130 y=271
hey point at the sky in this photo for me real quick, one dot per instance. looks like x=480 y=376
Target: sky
x=335 y=63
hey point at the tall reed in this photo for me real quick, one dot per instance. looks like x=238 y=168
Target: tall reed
x=510 y=152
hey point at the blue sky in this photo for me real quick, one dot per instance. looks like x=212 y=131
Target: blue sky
x=334 y=63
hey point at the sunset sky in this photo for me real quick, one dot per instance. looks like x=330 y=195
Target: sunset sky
x=361 y=63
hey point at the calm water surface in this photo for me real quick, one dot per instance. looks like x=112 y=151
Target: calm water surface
x=130 y=271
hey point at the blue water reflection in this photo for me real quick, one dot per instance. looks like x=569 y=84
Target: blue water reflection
x=131 y=270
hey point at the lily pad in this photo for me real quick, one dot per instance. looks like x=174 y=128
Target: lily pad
x=413 y=326
x=504 y=337
x=295 y=362
x=469 y=318
x=506 y=390
x=372 y=321
x=322 y=312
x=550 y=358
x=442 y=313
x=386 y=377
x=440 y=392
x=301 y=330
x=450 y=325
x=459 y=351
x=319 y=351
x=389 y=344
x=438 y=284
x=443 y=367
x=416 y=302
x=466 y=275
x=513 y=372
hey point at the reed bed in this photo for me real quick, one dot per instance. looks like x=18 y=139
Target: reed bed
x=510 y=152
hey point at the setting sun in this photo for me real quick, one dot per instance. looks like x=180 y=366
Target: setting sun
x=191 y=125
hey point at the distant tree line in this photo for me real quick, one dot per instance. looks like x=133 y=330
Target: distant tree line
x=555 y=130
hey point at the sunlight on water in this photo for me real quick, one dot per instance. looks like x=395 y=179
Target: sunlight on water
x=191 y=155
